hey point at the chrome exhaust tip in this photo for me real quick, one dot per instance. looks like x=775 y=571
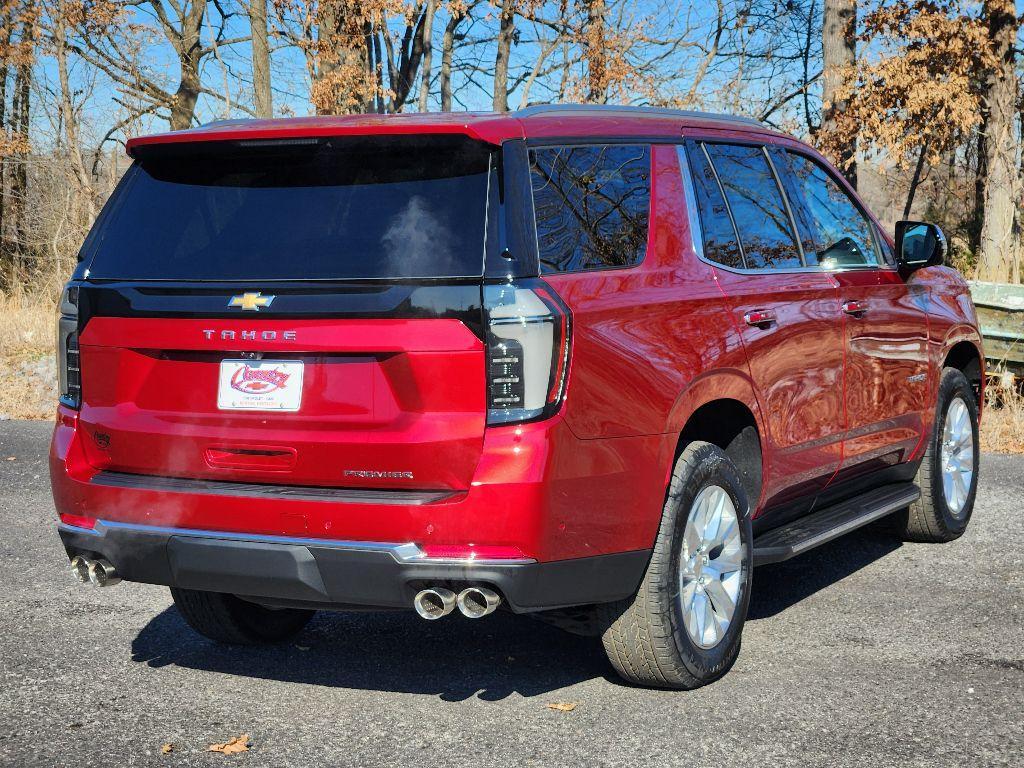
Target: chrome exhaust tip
x=432 y=604
x=477 y=602
x=80 y=568
x=103 y=574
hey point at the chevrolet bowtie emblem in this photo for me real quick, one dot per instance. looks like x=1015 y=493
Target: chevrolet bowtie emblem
x=251 y=301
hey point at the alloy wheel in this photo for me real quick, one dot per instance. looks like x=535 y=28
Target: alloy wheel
x=711 y=567
x=957 y=456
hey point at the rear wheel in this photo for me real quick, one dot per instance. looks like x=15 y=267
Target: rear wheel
x=229 y=619
x=948 y=476
x=682 y=628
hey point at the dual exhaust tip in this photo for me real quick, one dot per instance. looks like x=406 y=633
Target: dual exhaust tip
x=472 y=602
x=99 y=573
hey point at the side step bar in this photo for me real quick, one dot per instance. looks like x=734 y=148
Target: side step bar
x=830 y=523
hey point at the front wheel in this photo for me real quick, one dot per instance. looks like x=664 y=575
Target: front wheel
x=948 y=476
x=682 y=628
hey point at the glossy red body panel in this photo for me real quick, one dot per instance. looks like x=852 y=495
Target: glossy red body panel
x=392 y=395
x=887 y=388
x=538 y=492
x=482 y=126
x=651 y=344
x=796 y=365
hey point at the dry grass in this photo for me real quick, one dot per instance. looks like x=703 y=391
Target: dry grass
x=27 y=330
x=1002 y=424
x=28 y=322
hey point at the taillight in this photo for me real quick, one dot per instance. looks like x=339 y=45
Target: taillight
x=69 y=370
x=528 y=337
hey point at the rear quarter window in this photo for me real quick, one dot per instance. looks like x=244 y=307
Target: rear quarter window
x=592 y=206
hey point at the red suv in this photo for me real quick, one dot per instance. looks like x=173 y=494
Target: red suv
x=592 y=363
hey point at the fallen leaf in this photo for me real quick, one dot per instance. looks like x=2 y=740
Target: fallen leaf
x=562 y=706
x=231 y=746
x=302 y=647
x=167 y=748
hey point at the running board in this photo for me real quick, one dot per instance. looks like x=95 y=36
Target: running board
x=830 y=523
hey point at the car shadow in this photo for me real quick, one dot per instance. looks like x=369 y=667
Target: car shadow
x=454 y=658
x=457 y=659
x=781 y=585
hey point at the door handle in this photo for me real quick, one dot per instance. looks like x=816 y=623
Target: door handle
x=855 y=308
x=759 y=318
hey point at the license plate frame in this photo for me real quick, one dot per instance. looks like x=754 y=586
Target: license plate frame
x=260 y=385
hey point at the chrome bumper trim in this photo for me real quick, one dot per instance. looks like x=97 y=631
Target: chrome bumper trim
x=408 y=552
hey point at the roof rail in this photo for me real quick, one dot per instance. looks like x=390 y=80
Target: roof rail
x=610 y=109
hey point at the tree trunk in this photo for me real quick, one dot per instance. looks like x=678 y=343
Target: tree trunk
x=447 y=51
x=344 y=52
x=978 y=213
x=263 y=100
x=506 y=30
x=912 y=192
x=594 y=52
x=998 y=246
x=5 y=37
x=428 y=53
x=839 y=54
x=21 y=108
x=188 y=46
x=85 y=199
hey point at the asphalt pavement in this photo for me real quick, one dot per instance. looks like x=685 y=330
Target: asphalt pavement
x=866 y=652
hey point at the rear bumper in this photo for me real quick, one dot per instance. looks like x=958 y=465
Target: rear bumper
x=548 y=521
x=277 y=570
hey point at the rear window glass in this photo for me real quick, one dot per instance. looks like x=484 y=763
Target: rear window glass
x=757 y=206
x=592 y=206
x=338 y=209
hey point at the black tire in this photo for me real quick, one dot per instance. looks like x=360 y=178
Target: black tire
x=930 y=518
x=229 y=619
x=644 y=636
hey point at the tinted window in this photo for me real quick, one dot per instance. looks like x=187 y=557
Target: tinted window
x=350 y=209
x=720 y=243
x=591 y=205
x=757 y=206
x=839 y=231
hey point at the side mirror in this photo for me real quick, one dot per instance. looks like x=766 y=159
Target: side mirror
x=919 y=244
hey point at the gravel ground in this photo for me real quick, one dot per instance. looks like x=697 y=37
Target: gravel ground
x=30 y=386
x=864 y=652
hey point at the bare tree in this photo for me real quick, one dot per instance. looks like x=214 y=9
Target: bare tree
x=506 y=31
x=262 y=97
x=111 y=46
x=594 y=51
x=81 y=182
x=428 y=53
x=839 y=57
x=998 y=248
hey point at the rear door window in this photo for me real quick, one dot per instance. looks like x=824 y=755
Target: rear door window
x=757 y=205
x=841 y=234
x=592 y=205
x=336 y=209
x=720 y=242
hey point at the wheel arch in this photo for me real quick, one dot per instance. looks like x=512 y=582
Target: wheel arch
x=721 y=410
x=966 y=356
